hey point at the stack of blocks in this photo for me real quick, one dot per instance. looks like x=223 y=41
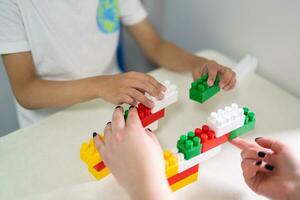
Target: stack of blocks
x=182 y=165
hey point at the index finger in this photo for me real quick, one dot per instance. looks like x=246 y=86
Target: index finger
x=133 y=117
x=241 y=144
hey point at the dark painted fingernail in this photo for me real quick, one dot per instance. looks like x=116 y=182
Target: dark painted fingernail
x=258 y=138
x=94 y=134
x=258 y=162
x=108 y=123
x=118 y=107
x=269 y=167
x=149 y=129
x=261 y=154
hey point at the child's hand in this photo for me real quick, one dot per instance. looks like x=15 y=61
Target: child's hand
x=270 y=168
x=213 y=69
x=130 y=88
x=134 y=156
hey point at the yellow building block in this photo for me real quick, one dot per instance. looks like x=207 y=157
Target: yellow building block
x=188 y=180
x=99 y=175
x=89 y=154
x=171 y=163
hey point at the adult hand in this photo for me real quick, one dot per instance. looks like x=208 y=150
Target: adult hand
x=270 y=168
x=134 y=156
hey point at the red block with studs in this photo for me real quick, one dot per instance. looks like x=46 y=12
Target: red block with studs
x=147 y=117
x=208 y=138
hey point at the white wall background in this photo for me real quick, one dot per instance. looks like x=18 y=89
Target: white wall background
x=268 y=29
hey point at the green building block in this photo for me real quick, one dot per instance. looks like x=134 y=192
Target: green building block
x=248 y=125
x=126 y=114
x=200 y=91
x=189 y=145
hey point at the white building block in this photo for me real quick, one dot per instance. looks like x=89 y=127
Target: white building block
x=153 y=126
x=226 y=120
x=171 y=96
x=186 y=164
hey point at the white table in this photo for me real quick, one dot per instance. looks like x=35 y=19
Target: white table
x=42 y=161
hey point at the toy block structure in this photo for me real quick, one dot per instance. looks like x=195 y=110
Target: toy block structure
x=248 y=125
x=189 y=145
x=170 y=97
x=90 y=156
x=193 y=148
x=226 y=120
x=201 y=92
x=149 y=117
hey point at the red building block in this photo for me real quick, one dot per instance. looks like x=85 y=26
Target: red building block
x=147 y=117
x=183 y=175
x=99 y=166
x=208 y=138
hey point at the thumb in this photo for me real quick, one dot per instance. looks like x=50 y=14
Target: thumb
x=272 y=144
x=99 y=143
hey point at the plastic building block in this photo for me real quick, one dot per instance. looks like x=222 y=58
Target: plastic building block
x=201 y=92
x=171 y=163
x=93 y=160
x=249 y=124
x=226 y=120
x=189 y=145
x=183 y=175
x=170 y=97
x=147 y=117
x=209 y=139
x=180 y=184
x=89 y=154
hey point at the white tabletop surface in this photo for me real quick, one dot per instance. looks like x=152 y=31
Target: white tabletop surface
x=42 y=161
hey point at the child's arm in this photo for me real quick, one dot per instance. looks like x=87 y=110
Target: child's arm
x=170 y=56
x=270 y=168
x=35 y=93
x=134 y=157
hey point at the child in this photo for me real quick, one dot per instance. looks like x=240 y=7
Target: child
x=59 y=53
x=269 y=167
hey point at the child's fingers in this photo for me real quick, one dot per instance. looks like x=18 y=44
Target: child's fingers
x=118 y=121
x=212 y=74
x=144 y=86
x=241 y=144
x=99 y=144
x=127 y=100
x=230 y=85
x=156 y=83
x=139 y=97
x=133 y=117
x=226 y=77
x=275 y=145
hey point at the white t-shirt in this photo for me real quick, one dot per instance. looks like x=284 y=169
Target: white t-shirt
x=68 y=39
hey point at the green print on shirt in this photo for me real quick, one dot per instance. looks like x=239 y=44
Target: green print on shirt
x=108 y=18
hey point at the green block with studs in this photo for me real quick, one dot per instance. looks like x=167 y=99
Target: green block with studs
x=201 y=92
x=190 y=145
x=249 y=125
